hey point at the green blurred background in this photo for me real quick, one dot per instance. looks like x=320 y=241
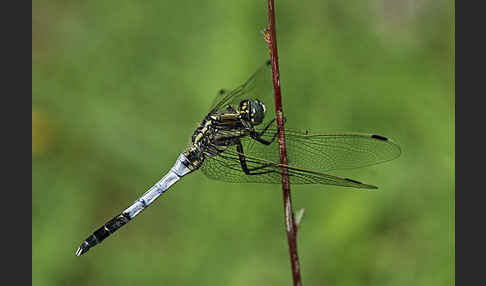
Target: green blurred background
x=119 y=86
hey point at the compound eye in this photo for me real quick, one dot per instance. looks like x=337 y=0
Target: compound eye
x=257 y=112
x=263 y=106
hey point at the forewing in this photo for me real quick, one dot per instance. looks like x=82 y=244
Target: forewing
x=325 y=152
x=309 y=154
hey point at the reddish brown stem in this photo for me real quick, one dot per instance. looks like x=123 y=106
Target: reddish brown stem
x=290 y=225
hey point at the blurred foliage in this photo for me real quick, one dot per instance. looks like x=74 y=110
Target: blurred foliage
x=119 y=86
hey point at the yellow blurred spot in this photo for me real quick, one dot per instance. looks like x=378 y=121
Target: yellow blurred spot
x=40 y=133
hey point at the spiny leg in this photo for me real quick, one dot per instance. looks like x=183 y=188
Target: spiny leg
x=258 y=135
x=244 y=167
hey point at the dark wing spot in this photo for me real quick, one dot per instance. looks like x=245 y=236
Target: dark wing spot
x=354 y=181
x=268 y=62
x=379 y=137
x=222 y=91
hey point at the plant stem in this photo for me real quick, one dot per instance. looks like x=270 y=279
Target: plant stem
x=290 y=225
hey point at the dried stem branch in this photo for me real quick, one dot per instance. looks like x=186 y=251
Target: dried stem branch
x=290 y=225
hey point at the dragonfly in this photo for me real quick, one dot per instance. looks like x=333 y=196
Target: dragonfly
x=236 y=143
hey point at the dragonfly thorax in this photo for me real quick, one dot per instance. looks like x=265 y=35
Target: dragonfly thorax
x=252 y=111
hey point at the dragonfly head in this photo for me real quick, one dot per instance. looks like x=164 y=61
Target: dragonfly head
x=252 y=110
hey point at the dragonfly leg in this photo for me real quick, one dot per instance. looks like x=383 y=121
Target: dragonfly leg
x=258 y=135
x=244 y=167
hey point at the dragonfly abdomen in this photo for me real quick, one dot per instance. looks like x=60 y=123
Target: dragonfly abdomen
x=185 y=164
x=103 y=232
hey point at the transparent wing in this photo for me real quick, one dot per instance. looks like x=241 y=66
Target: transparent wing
x=325 y=152
x=309 y=155
x=258 y=86
x=227 y=168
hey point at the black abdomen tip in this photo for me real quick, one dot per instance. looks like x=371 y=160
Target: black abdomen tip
x=83 y=248
x=379 y=137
